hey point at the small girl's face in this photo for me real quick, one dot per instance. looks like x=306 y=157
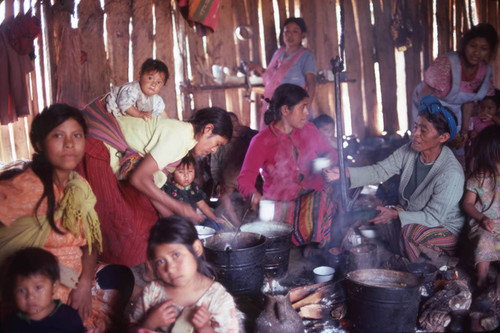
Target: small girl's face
x=487 y=109
x=328 y=131
x=151 y=83
x=33 y=296
x=184 y=174
x=477 y=50
x=175 y=265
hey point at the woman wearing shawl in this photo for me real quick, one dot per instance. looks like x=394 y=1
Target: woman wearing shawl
x=431 y=186
x=291 y=63
x=46 y=204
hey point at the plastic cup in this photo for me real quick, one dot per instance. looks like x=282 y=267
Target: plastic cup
x=323 y=273
x=266 y=210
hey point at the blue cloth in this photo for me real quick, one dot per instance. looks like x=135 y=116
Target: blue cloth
x=432 y=104
x=297 y=73
x=64 y=319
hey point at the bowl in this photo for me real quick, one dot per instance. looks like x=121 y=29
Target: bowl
x=323 y=273
x=368 y=232
x=204 y=232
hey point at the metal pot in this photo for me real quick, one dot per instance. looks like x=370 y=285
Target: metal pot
x=239 y=260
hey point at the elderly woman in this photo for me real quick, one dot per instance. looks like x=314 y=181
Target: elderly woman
x=283 y=153
x=431 y=186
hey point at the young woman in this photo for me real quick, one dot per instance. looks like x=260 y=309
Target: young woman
x=46 y=204
x=283 y=152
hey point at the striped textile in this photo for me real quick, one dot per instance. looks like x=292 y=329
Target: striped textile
x=415 y=237
x=204 y=12
x=125 y=214
x=310 y=215
x=103 y=126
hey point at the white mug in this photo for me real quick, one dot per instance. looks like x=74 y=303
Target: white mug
x=266 y=210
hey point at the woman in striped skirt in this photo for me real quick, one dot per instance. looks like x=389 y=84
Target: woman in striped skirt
x=430 y=189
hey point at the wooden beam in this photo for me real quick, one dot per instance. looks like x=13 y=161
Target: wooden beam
x=142 y=33
x=164 y=39
x=118 y=37
x=269 y=33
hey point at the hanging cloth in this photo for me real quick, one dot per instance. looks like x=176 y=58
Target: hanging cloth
x=201 y=14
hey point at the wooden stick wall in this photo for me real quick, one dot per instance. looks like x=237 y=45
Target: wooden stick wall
x=186 y=53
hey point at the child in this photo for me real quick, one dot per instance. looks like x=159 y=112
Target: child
x=140 y=98
x=33 y=277
x=184 y=293
x=183 y=188
x=482 y=200
x=488 y=109
x=326 y=125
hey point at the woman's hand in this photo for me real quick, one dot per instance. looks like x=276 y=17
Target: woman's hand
x=201 y=320
x=80 y=298
x=256 y=197
x=161 y=315
x=385 y=215
x=255 y=67
x=487 y=224
x=331 y=174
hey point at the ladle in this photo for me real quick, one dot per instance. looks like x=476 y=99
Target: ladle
x=230 y=246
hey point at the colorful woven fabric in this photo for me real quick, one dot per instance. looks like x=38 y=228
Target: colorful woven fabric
x=126 y=215
x=415 y=237
x=310 y=215
x=203 y=13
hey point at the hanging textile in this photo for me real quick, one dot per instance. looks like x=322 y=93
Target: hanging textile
x=201 y=14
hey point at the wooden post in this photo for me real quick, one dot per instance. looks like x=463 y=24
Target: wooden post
x=117 y=26
x=142 y=33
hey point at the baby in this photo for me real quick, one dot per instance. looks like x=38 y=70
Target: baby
x=326 y=125
x=488 y=108
x=32 y=277
x=140 y=98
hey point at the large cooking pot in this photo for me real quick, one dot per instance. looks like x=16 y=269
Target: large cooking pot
x=238 y=258
x=380 y=300
x=279 y=242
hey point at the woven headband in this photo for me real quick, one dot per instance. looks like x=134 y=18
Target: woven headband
x=432 y=104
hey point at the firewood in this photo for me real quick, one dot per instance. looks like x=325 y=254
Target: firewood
x=302 y=291
x=315 y=297
x=312 y=311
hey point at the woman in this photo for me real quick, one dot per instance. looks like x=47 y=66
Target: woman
x=283 y=153
x=46 y=204
x=291 y=63
x=431 y=186
x=128 y=208
x=460 y=78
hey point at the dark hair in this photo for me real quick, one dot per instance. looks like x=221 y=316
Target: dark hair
x=323 y=119
x=286 y=94
x=486 y=155
x=187 y=160
x=438 y=120
x=218 y=117
x=44 y=122
x=30 y=261
x=232 y=114
x=178 y=230
x=494 y=98
x=152 y=65
x=484 y=30
x=297 y=20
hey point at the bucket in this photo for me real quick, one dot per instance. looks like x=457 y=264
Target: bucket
x=238 y=258
x=380 y=300
x=279 y=242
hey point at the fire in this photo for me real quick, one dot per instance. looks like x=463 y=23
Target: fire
x=456 y=274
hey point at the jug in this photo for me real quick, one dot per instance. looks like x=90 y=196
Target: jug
x=279 y=316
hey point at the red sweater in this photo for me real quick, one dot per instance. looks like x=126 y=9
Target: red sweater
x=286 y=162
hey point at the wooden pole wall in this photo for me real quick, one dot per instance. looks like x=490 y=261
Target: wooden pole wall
x=366 y=44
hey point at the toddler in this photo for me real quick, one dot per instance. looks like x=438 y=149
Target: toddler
x=488 y=109
x=184 y=297
x=183 y=188
x=482 y=201
x=140 y=98
x=33 y=275
x=326 y=125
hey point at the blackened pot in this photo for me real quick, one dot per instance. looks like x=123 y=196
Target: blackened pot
x=380 y=300
x=238 y=258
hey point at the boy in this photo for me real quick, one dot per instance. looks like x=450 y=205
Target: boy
x=32 y=276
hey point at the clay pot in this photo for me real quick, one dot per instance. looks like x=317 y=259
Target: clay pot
x=279 y=316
